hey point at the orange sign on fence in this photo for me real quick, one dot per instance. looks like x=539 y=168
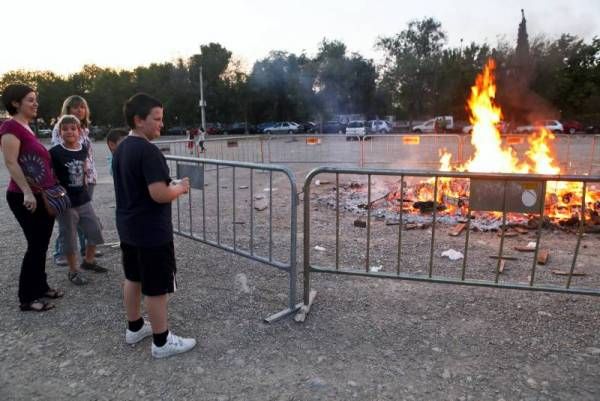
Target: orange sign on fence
x=313 y=140
x=411 y=140
x=514 y=140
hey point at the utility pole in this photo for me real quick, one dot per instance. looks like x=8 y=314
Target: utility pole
x=202 y=101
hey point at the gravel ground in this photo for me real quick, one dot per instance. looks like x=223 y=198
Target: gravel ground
x=365 y=339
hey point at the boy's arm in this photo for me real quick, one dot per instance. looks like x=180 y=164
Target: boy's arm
x=160 y=192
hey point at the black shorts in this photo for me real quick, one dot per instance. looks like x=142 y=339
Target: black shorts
x=153 y=267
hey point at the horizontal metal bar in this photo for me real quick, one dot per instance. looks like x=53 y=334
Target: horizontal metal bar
x=274 y=263
x=475 y=283
x=255 y=166
x=453 y=174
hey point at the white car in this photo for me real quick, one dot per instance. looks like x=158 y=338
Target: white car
x=356 y=130
x=429 y=126
x=551 y=125
x=379 y=126
x=284 y=127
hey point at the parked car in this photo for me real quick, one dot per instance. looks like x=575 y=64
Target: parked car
x=378 y=127
x=333 y=127
x=436 y=124
x=551 y=125
x=502 y=127
x=401 y=126
x=356 y=130
x=176 y=131
x=260 y=128
x=240 y=128
x=214 y=128
x=572 y=126
x=44 y=133
x=592 y=129
x=284 y=127
x=308 y=127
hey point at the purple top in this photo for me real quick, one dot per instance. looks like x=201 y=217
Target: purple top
x=34 y=158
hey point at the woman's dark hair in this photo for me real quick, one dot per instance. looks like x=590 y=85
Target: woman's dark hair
x=139 y=105
x=14 y=93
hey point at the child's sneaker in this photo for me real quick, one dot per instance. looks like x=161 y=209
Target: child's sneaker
x=77 y=278
x=95 y=267
x=174 y=345
x=133 y=337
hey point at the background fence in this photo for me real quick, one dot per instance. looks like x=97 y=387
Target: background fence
x=575 y=154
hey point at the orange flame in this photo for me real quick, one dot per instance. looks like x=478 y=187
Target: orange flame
x=490 y=156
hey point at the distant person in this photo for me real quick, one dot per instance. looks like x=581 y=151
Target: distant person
x=144 y=192
x=200 y=139
x=113 y=139
x=69 y=161
x=30 y=168
x=191 y=134
x=77 y=106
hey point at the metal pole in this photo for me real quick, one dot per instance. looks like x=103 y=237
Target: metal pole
x=202 y=102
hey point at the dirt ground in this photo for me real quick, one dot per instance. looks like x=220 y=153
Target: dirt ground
x=365 y=339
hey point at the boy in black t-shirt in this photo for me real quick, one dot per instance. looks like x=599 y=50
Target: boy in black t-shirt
x=144 y=192
x=68 y=162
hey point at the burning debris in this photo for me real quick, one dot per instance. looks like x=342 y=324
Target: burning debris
x=416 y=206
x=563 y=201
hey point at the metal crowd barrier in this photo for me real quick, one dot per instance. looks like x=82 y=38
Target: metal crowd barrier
x=410 y=150
x=313 y=149
x=235 y=148
x=221 y=210
x=489 y=192
x=575 y=154
x=595 y=168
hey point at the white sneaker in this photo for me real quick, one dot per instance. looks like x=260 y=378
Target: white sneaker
x=133 y=337
x=174 y=345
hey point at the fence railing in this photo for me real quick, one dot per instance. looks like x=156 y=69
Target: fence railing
x=504 y=193
x=231 y=206
x=214 y=216
x=575 y=154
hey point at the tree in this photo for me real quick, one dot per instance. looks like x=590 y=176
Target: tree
x=277 y=89
x=344 y=84
x=412 y=59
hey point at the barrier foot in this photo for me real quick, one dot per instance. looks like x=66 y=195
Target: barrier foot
x=301 y=315
x=284 y=313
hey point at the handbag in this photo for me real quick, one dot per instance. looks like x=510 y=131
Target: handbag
x=55 y=198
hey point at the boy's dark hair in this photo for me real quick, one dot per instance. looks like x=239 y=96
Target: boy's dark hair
x=139 y=105
x=115 y=134
x=14 y=93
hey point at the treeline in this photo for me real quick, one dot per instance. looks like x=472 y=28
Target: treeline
x=420 y=77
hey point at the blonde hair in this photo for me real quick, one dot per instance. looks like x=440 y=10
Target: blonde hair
x=68 y=119
x=73 y=101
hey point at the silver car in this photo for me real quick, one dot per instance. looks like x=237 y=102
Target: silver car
x=284 y=127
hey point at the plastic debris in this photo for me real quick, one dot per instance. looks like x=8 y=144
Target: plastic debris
x=452 y=254
x=319 y=248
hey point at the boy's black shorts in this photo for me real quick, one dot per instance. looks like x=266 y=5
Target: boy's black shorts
x=153 y=267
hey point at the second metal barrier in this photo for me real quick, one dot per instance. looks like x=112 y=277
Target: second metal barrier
x=231 y=206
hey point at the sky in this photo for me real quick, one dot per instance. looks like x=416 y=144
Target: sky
x=62 y=36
